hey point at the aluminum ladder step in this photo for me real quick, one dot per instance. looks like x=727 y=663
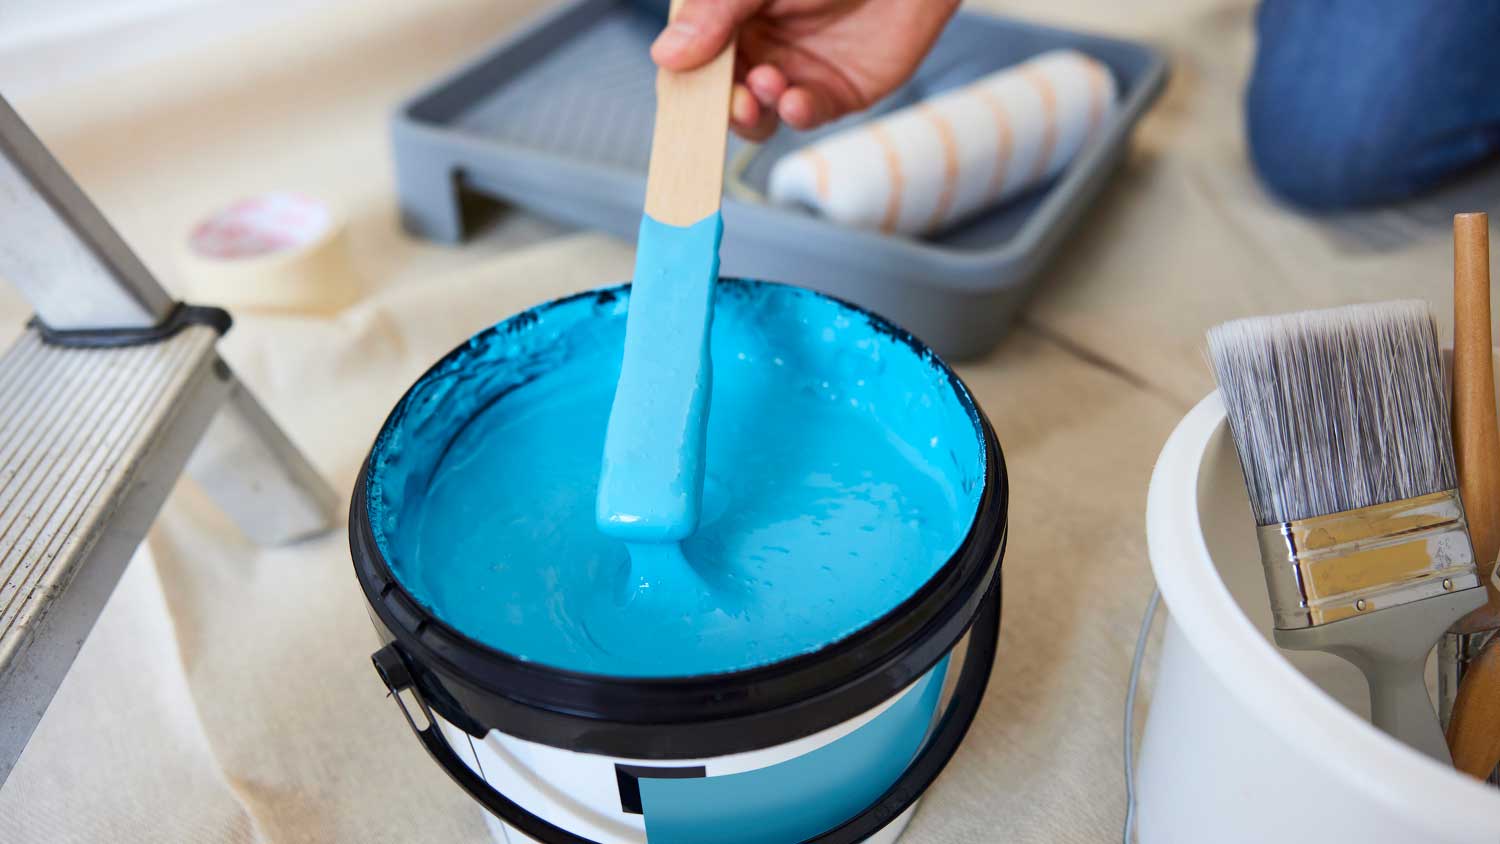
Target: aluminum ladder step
x=91 y=442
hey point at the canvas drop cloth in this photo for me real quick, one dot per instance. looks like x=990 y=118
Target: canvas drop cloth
x=226 y=694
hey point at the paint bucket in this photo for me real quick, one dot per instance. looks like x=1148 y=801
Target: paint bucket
x=1245 y=742
x=834 y=745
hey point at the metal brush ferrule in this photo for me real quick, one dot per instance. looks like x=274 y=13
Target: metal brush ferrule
x=1326 y=568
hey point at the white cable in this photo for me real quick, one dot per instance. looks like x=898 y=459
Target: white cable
x=1135 y=677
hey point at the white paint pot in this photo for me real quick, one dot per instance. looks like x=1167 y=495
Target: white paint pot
x=1248 y=743
x=833 y=746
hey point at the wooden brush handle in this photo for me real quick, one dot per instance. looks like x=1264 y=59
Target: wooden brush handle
x=685 y=180
x=1474 y=729
x=1476 y=436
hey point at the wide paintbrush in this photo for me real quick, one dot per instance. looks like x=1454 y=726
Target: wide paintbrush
x=1341 y=421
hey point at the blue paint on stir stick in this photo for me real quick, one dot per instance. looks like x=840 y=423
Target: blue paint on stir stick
x=651 y=483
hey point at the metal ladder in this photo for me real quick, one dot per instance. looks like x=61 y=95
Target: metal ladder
x=103 y=399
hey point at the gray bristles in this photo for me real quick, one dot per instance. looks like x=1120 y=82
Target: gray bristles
x=1337 y=409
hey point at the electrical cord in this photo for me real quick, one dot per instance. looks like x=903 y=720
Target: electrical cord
x=1135 y=677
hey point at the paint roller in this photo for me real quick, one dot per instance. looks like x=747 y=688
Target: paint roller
x=935 y=163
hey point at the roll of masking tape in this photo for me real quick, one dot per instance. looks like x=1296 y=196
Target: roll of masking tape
x=279 y=251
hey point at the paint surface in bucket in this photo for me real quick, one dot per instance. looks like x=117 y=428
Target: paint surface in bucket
x=843 y=468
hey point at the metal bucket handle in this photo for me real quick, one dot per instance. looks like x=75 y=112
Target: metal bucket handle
x=919 y=775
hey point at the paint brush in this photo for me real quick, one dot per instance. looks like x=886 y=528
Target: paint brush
x=651 y=480
x=1474 y=726
x=1340 y=418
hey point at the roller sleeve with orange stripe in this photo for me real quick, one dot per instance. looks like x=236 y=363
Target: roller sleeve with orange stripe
x=931 y=165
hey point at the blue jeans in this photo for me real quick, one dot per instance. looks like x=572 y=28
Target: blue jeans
x=1354 y=102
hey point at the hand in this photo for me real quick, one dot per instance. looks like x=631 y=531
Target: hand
x=804 y=62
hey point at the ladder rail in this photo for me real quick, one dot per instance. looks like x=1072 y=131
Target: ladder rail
x=59 y=250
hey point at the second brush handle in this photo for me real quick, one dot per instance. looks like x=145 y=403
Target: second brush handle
x=1476 y=432
x=1475 y=740
x=1390 y=647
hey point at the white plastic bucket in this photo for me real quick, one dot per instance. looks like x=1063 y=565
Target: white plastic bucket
x=1246 y=742
x=832 y=746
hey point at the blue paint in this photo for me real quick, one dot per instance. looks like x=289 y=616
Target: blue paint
x=843 y=467
x=802 y=797
x=651 y=482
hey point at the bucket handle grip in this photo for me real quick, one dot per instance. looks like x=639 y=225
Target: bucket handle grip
x=919 y=775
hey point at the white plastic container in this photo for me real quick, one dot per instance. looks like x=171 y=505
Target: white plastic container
x=1245 y=742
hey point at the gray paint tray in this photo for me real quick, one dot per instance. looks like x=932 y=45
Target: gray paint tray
x=557 y=118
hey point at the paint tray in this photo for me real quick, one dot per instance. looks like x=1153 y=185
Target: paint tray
x=557 y=118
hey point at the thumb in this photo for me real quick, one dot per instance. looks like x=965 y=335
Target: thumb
x=700 y=30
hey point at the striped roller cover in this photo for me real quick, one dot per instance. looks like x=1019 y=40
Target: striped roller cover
x=932 y=164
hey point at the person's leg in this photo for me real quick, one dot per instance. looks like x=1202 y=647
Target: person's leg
x=1354 y=102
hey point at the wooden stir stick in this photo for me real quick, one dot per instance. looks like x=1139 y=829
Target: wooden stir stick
x=1474 y=728
x=651 y=478
x=685 y=179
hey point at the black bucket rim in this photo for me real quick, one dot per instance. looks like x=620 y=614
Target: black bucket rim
x=478 y=687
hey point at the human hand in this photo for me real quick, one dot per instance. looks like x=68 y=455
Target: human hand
x=804 y=62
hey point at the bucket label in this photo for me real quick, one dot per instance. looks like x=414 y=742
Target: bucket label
x=629 y=777
x=797 y=799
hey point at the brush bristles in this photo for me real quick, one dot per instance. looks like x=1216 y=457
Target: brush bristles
x=1336 y=409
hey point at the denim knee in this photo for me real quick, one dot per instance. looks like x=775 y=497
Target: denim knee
x=1323 y=151
x=1354 y=102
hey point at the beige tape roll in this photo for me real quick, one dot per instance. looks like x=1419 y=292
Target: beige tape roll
x=281 y=251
